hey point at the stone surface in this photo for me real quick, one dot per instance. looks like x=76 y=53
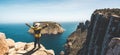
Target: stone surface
x=76 y=39
x=104 y=26
x=114 y=47
x=3 y=44
x=11 y=43
x=9 y=47
x=19 y=46
x=22 y=48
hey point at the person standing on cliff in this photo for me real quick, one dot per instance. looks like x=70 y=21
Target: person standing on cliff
x=37 y=32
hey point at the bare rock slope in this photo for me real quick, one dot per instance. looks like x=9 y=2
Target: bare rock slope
x=76 y=39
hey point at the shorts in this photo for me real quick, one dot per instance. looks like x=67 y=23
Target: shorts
x=37 y=35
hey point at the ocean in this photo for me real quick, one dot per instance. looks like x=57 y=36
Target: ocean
x=19 y=32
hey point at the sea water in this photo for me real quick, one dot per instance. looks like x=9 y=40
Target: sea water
x=19 y=32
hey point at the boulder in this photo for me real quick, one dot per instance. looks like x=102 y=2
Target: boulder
x=11 y=43
x=2 y=35
x=12 y=51
x=19 y=46
x=3 y=44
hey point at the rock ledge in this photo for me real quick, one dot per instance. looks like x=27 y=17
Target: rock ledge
x=10 y=47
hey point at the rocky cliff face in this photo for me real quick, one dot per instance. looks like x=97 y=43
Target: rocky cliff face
x=105 y=25
x=114 y=47
x=78 y=36
x=9 y=47
x=53 y=28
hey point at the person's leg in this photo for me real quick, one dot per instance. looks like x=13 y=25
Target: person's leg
x=35 y=42
x=38 y=42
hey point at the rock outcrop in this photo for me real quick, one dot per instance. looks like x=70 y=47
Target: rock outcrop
x=78 y=36
x=28 y=49
x=53 y=28
x=9 y=47
x=10 y=42
x=114 y=47
x=105 y=25
x=3 y=44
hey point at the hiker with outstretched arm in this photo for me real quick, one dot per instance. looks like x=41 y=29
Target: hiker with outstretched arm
x=37 y=32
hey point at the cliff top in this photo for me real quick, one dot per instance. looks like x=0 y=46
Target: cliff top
x=107 y=11
x=47 y=22
x=10 y=47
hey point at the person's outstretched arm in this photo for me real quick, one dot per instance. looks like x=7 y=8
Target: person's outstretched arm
x=28 y=25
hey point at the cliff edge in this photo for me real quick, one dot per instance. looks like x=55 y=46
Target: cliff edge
x=10 y=47
x=76 y=39
x=105 y=25
x=102 y=37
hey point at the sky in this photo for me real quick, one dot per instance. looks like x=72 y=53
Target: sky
x=22 y=11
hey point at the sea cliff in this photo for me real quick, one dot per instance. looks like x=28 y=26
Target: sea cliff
x=76 y=39
x=103 y=30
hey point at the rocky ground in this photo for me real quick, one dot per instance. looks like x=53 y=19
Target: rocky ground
x=53 y=28
x=10 y=47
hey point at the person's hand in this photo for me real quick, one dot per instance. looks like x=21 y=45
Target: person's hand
x=26 y=23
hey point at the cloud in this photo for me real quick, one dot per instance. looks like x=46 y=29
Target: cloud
x=53 y=10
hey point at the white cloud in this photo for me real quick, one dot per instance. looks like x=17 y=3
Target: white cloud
x=67 y=10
